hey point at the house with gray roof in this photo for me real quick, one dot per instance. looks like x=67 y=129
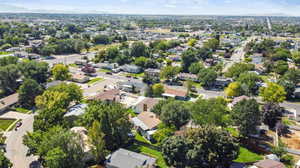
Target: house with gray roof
x=123 y=158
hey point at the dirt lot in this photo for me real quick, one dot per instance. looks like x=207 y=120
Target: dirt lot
x=293 y=140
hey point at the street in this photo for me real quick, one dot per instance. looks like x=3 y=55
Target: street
x=16 y=151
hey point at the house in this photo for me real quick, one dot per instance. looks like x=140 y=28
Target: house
x=146 y=123
x=80 y=78
x=131 y=86
x=123 y=158
x=153 y=73
x=131 y=68
x=175 y=93
x=145 y=105
x=21 y=54
x=113 y=95
x=268 y=164
x=222 y=82
x=106 y=65
x=76 y=110
x=187 y=77
x=8 y=101
x=297 y=92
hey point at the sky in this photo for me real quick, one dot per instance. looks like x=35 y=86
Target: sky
x=178 y=7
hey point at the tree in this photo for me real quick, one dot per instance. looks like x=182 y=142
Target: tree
x=57 y=147
x=273 y=93
x=141 y=61
x=292 y=75
x=96 y=138
x=4 y=162
x=207 y=77
x=27 y=93
x=211 y=111
x=234 y=90
x=238 y=68
x=289 y=87
x=73 y=91
x=195 y=68
x=281 y=67
x=8 y=78
x=157 y=90
x=296 y=57
x=271 y=114
x=175 y=114
x=139 y=49
x=101 y=39
x=174 y=150
x=206 y=146
x=248 y=81
x=192 y=42
x=60 y=72
x=169 y=72
x=188 y=57
x=37 y=71
x=246 y=116
x=212 y=44
x=113 y=119
x=8 y=60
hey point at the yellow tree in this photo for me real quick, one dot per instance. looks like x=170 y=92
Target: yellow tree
x=234 y=89
x=273 y=93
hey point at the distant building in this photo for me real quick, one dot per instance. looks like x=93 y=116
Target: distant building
x=131 y=68
x=175 y=93
x=8 y=101
x=123 y=158
x=145 y=105
x=188 y=77
x=154 y=73
x=80 y=78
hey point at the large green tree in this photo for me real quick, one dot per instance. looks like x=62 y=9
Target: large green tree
x=38 y=71
x=139 y=49
x=113 y=119
x=27 y=93
x=247 y=116
x=8 y=78
x=60 y=72
x=207 y=77
x=4 y=162
x=188 y=58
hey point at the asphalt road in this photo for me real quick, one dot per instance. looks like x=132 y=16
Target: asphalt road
x=16 y=151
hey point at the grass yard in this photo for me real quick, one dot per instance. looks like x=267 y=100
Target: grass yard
x=92 y=81
x=147 y=150
x=4 y=53
x=22 y=110
x=139 y=75
x=5 y=123
x=247 y=156
x=104 y=70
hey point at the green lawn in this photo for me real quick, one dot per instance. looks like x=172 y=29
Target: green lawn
x=95 y=80
x=104 y=70
x=22 y=110
x=147 y=150
x=139 y=75
x=247 y=156
x=4 y=53
x=5 y=123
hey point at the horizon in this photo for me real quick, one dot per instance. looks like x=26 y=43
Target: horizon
x=156 y=7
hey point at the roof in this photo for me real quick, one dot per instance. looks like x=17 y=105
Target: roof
x=112 y=95
x=150 y=102
x=76 y=110
x=123 y=158
x=9 y=100
x=152 y=70
x=269 y=164
x=146 y=120
x=175 y=92
x=78 y=76
x=187 y=75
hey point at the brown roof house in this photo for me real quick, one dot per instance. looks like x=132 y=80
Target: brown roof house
x=113 y=95
x=268 y=164
x=8 y=101
x=146 y=123
x=175 y=93
x=145 y=104
x=80 y=78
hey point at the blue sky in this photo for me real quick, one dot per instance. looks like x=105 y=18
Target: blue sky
x=230 y=7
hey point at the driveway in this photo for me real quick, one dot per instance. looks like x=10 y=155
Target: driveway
x=16 y=151
x=15 y=115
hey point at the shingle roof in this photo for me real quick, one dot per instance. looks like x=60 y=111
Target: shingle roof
x=149 y=102
x=177 y=92
x=269 y=164
x=123 y=158
x=112 y=95
x=146 y=120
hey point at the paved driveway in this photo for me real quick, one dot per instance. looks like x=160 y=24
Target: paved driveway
x=15 y=115
x=16 y=151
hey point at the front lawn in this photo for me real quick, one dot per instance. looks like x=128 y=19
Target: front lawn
x=22 y=110
x=247 y=156
x=149 y=151
x=5 y=123
x=104 y=70
x=139 y=75
x=92 y=81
